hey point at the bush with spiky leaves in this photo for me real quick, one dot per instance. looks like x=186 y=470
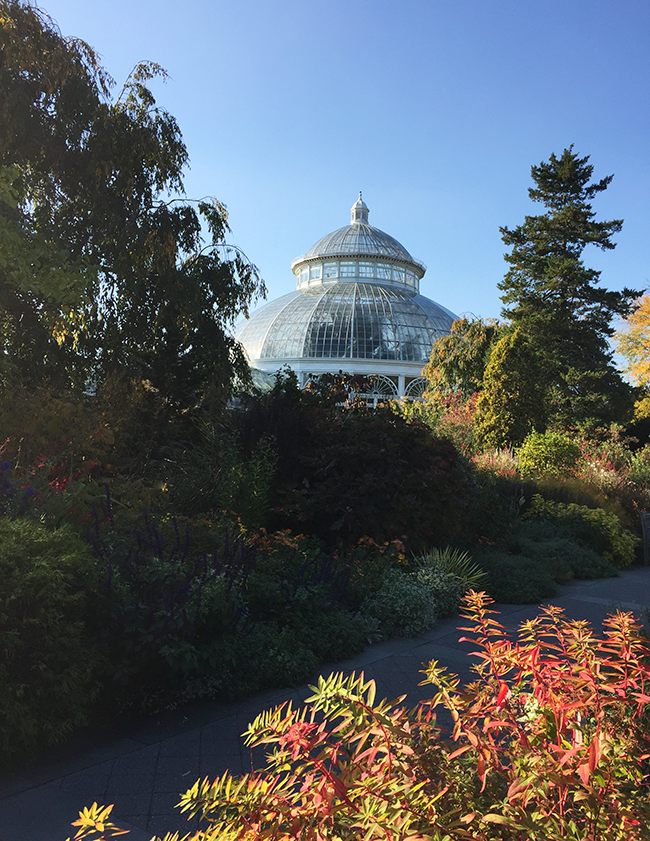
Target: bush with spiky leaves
x=551 y=741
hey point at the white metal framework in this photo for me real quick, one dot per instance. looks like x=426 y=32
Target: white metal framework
x=356 y=308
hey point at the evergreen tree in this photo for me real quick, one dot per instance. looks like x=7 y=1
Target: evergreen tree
x=511 y=403
x=554 y=297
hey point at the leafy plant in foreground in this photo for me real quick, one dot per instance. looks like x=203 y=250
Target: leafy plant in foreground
x=551 y=741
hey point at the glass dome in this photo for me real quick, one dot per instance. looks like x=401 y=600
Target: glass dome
x=346 y=321
x=356 y=308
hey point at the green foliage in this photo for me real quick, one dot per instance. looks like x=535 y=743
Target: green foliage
x=345 y=472
x=48 y=670
x=640 y=467
x=551 y=294
x=551 y=544
x=511 y=404
x=592 y=527
x=565 y=754
x=213 y=475
x=104 y=268
x=408 y=601
x=451 y=416
x=513 y=578
x=185 y=611
x=454 y=562
x=547 y=453
x=405 y=605
x=457 y=362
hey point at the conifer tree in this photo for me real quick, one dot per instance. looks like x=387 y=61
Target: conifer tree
x=555 y=298
x=511 y=403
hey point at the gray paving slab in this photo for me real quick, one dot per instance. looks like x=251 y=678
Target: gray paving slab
x=145 y=770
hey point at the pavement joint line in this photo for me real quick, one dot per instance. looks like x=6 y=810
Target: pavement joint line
x=615 y=603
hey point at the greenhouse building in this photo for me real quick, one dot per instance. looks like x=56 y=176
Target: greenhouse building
x=356 y=309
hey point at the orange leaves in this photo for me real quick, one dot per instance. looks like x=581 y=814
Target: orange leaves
x=552 y=720
x=633 y=342
x=94 y=825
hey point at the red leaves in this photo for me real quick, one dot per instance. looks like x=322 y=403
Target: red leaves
x=549 y=721
x=502 y=696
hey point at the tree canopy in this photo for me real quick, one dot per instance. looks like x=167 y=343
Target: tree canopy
x=555 y=298
x=104 y=264
x=511 y=403
x=633 y=342
x=458 y=360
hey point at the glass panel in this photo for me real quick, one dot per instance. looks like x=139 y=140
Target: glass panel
x=398 y=274
x=286 y=337
x=361 y=320
x=331 y=269
x=329 y=330
x=383 y=271
x=303 y=275
x=314 y=272
x=252 y=332
x=348 y=270
x=366 y=269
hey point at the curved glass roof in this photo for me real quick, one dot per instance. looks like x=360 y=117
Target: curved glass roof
x=359 y=239
x=346 y=321
x=357 y=299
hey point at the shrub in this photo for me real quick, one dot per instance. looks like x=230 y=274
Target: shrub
x=449 y=573
x=409 y=602
x=48 y=669
x=187 y=612
x=550 y=545
x=169 y=609
x=550 y=741
x=404 y=606
x=640 y=465
x=450 y=415
x=592 y=527
x=515 y=578
x=345 y=472
x=211 y=474
x=547 y=453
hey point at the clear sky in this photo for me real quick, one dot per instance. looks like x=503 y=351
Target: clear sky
x=436 y=109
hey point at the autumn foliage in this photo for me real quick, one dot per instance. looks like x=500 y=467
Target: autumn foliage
x=549 y=742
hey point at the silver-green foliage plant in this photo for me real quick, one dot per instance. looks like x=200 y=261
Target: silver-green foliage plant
x=404 y=606
x=412 y=601
x=454 y=562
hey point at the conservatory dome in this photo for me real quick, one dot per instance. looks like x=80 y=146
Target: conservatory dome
x=356 y=308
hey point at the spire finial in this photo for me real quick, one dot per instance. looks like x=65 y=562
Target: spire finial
x=360 y=211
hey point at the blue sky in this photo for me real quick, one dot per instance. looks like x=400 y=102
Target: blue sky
x=436 y=109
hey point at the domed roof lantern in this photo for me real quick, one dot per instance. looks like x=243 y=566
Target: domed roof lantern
x=360 y=211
